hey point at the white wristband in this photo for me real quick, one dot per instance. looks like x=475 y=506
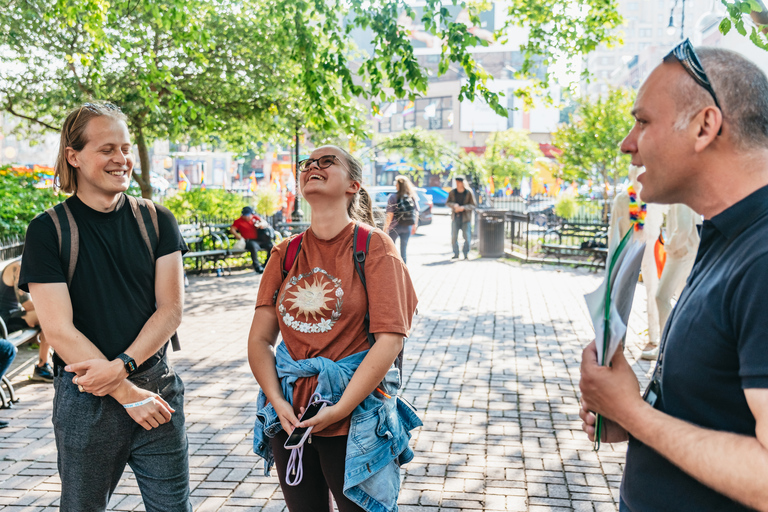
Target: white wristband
x=139 y=404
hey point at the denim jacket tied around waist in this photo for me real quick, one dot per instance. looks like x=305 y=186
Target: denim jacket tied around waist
x=377 y=444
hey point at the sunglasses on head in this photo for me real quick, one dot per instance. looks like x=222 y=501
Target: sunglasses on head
x=93 y=107
x=323 y=162
x=686 y=56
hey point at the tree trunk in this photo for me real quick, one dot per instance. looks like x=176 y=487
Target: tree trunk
x=143 y=178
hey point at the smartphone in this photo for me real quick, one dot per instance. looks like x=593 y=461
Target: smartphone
x=299 y=434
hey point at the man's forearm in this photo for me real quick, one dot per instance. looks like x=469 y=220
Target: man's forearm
x=158 y=330
x=70 y=344
x=732 y=464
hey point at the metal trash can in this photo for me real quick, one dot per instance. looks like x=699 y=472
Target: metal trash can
x=491 y=233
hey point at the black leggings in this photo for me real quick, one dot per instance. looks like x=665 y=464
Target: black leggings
x=323 y=470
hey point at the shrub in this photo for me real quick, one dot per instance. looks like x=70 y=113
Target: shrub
x=21 y=200
x=565 y=207
x=268 y=201
x=205 y=203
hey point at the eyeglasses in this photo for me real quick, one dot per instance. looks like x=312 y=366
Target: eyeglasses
x=323 y=162
x=686 y=56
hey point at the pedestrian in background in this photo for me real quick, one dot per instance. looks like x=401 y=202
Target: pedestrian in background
x=402 y=214
x=7 y=355
x=256 y=233
x=461 y=201
x=18 y=313
x=325 y=312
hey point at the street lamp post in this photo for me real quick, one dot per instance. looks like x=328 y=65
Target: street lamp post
x=671 y=26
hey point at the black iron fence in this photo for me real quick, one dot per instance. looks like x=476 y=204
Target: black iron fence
x=11 y=247
x=535 y=233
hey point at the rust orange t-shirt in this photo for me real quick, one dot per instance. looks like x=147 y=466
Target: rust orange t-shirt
x=322 y=303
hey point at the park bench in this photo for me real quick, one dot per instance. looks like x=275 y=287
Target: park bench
x=229 y=242
x=291 y=227
x=585 y=241
x=17 y=338
x=205 y=244
x=214 y=242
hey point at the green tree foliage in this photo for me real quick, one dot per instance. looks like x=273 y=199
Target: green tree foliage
x=474 y=167
x=757 y=11
x=590 y=141
x=563 y=32
x=268 y=201
x=510 y=154
x=254 y=69
x=21 y=200
x=210 y=202
x=422 y=149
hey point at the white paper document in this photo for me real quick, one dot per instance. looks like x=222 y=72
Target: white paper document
x=610 y=305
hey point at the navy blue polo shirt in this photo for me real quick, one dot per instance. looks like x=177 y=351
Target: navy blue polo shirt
x=716 y=346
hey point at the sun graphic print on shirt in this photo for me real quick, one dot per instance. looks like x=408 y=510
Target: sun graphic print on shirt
x=311 y=302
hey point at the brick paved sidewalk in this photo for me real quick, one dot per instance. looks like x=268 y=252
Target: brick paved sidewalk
x=492 y=366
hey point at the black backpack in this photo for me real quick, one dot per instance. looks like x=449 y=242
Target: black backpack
x=405 y=211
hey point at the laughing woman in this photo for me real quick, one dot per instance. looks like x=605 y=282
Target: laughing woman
x=313 y=296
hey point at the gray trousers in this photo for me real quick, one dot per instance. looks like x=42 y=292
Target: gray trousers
x=96 y=438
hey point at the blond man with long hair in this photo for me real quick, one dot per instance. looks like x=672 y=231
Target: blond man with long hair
x=117 y=400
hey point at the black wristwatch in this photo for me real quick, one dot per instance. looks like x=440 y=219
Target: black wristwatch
x=128 y=362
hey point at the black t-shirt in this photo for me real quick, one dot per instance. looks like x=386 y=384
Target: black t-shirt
x=716 y=346
x=113 y=287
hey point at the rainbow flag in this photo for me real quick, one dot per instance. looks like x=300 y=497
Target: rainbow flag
x=254 y=183
x=184 y=183
x=492 y=188
x=410 y=108
x=507 y=187
x=377 y=115
x=202 y=179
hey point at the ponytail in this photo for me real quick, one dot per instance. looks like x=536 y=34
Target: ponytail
x=360 y=209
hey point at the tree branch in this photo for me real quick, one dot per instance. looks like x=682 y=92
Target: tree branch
x=9 y=109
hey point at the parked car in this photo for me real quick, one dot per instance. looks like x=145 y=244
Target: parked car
x=439 y=196
x=380 y=195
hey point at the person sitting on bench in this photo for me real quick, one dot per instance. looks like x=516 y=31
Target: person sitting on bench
x=7 y=355
x=18 y=312
x=256 y=233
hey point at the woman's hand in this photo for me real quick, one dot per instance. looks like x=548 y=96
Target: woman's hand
x=325 y=418
x=285 y=413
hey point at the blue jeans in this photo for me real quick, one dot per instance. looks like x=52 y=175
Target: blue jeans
x=7 y=355
x=96 y=438
x=456 y=225
x=404 y=233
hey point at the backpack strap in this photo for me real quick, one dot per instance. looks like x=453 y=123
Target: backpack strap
x=68 y=235
x=361 y=241
x=145 y=213
x=291 y=254
x=294 y=246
